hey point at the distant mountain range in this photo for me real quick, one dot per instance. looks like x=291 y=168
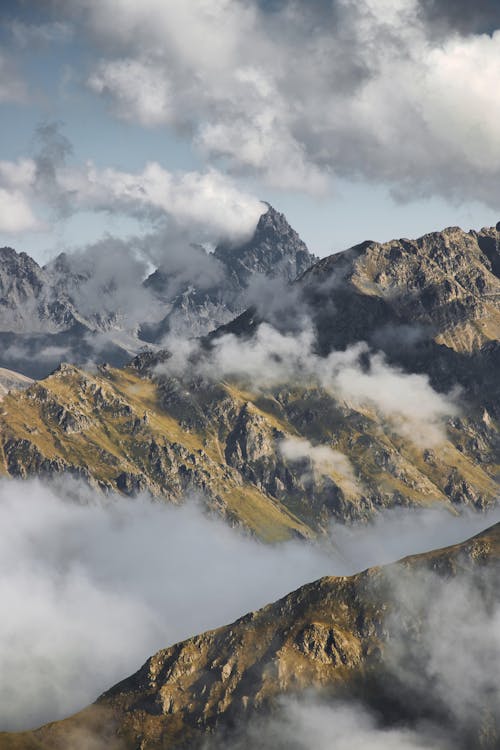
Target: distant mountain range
x=45 y=315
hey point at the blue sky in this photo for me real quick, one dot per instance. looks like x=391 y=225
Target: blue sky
x=348 y=117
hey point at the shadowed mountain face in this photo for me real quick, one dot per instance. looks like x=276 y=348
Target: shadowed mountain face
x=374 y=637
x=66 y=311
x=431 y=305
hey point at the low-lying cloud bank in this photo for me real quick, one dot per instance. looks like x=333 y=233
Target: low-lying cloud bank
x=312 y=724
x=92 y=586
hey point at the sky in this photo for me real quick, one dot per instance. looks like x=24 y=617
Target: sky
x=366 y=119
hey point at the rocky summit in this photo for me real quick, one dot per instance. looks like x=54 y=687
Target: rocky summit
x=338 y=636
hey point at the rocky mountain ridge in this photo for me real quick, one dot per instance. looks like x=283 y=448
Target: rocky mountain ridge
x=430 y=305
x=335 y=636
x=252 y=456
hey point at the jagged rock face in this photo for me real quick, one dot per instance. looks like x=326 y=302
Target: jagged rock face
x=27 y=301
x=335 y=635
x=275 y=250
x=444 y=285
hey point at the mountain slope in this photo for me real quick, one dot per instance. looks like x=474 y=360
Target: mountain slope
x=431 y=304
x=282 y=461
x=335 y=635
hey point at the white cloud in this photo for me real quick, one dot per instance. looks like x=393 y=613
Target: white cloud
x=16 y=214
x=140 y=91
x=199 y=206
x=208 y=204
x=312 y=89
x=269 y=358
x=16 y=183
x=325 y=460
x=444 y=649
x=17 y=174
x=308 y=723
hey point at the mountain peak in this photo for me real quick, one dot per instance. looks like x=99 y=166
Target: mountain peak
x=275 y=249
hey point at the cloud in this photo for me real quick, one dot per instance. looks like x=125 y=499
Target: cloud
x=206 y=206
x=16 y=211
x=356 y=376
x=92 y=585
x=52 y=32
x=16 y=214
x=322 y=458
x=298 y=92
x=104 y=282
x=139 y=91
x=302 y=724
x=209 y=202
x=444 y=651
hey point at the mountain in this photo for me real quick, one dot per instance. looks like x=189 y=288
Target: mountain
x=432 y=305
x=229 y=280
x=40 y=323
x=275 y=251
x=361 y=638
x=66 y=311
x=281 y=461
x=286 y=456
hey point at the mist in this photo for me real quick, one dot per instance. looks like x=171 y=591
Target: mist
x=314 y=724
x=92 y=585
x=358 y=377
